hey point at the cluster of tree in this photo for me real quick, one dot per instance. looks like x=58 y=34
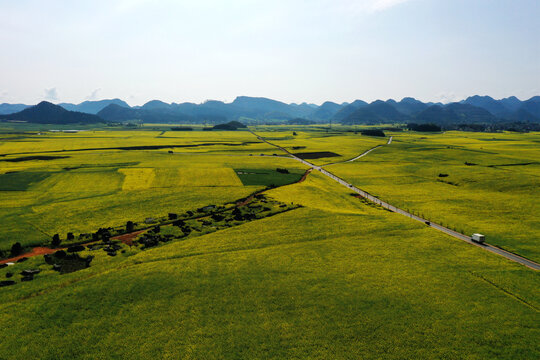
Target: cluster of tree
x=494 y=127
x=154 y=237
x=516 y=126
x=16 y=249
x=424 y=127
x=247 y=216
x=67 y=263
x=300 y=121
x=102 y=234
x=373 y=132
x=231 y=125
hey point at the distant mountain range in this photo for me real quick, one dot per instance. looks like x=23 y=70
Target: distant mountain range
x=11 y=108
x=93 y=107
x=47 y=113
x=473 y=110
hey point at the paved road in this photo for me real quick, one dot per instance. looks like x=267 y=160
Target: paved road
x=361 y=155
x=510 y=256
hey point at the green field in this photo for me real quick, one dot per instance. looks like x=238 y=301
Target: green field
x=20 y=181
x=89 y=189
x=267 y=177
x=486 y=183
x=315 y=274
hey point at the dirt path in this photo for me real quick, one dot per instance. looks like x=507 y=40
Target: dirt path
x=125 y=238
x=42 y=250
x=128 y=238
x=361 y=155
x=35 y=252
x=308 y=171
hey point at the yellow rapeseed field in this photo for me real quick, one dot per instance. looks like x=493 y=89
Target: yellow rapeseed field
x=137 y=178
x=208 y=177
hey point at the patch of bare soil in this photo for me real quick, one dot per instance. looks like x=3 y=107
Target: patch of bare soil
x=315 y=155
x=35 y=252
x=128 y=238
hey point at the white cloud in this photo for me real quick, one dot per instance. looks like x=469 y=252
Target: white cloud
x=380 y=5
x=94 y=94
x=447 y=97
x=361 y=7
x=50 y=94
x=128 y=5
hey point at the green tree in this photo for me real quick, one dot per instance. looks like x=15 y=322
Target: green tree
x=56 y=240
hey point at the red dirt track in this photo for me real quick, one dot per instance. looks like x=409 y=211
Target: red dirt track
x=40 y=250
x=128 y=238
x=304 y=176
x=35 y=252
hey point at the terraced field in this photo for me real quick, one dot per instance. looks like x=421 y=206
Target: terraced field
x=336 y=277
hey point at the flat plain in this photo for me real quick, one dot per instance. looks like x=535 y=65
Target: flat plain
x=329 y=276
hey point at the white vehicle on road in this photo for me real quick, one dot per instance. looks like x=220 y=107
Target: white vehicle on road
x=479 y=238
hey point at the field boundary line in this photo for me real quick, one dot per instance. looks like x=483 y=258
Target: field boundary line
x=509 y=293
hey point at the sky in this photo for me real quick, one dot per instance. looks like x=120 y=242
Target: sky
x=289 y=50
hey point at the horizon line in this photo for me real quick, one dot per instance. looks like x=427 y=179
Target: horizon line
x=268 y=98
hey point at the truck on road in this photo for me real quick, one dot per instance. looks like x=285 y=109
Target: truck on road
x=479 y=238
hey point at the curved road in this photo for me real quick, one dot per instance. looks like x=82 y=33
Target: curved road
x=510 y=256
x=361 y=155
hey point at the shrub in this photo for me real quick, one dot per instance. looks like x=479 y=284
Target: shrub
x=16 y=249
x=373 y=132
x=178 y=223
x=424 y=127
x=56 y=240
x=75 y=248
x=217 y=217
x=60 y=254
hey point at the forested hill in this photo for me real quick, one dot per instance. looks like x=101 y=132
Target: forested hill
x=47 y=113
x=473 y=110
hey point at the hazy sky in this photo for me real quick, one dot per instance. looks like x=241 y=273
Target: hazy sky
x=289 y=50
